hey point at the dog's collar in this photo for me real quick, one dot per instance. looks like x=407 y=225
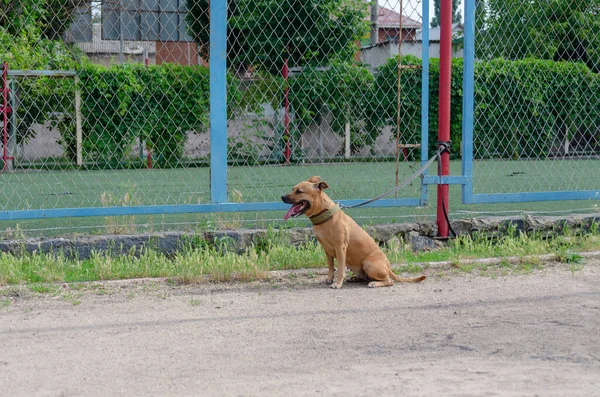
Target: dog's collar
x=324 y=215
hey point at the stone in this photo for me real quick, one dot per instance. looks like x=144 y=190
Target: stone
x=422 y=243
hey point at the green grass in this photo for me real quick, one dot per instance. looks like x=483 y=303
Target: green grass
x=102 y=188
x=206 y=262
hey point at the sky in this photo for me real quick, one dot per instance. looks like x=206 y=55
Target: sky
x=413 y=8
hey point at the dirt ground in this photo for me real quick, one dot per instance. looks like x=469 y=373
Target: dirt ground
x=456 y=334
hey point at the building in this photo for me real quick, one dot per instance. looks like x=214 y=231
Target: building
x=376 y=55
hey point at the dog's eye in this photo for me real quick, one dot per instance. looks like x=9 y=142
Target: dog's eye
x=299 y=191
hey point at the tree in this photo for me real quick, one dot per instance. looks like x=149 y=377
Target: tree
x=265 y=32
x=29 y=39
x=198 y=21
x=50 y=17
x=559 y=30
x=456 y=14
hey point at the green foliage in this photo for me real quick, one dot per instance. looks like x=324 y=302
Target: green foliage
x=198 y=21
x=264 y=33
x=527 y=93
x=384 y=109
x=555 y=30
x=345 y=91
x=456 y=14
x=264 y=88
x=50 y=18
x=158 y=104
x=38 y=97
x=108 y=96
x=173 y=100
x=18 y=15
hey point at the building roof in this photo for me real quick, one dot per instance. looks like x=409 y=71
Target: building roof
x=387 y=18
x=434 y=33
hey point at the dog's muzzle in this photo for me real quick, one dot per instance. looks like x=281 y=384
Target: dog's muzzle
x=297 y=208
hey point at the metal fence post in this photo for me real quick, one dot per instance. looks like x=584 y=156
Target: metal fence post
x=444 y=111
x=218 y=101
x=468 y=99
x=78 y=130
x=425 y=98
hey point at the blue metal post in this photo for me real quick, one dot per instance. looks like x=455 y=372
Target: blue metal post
x=468 y=99
x=218 y=101
x=425 y=97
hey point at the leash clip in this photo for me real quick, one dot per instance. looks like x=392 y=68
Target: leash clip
x=445 y=146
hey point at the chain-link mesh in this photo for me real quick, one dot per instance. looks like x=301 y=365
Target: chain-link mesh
x=110 y=100
x=107 y=102
x=307 y=102
x=537 y=96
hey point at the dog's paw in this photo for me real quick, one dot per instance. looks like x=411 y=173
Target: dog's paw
x=336 y=286
x=329 y=281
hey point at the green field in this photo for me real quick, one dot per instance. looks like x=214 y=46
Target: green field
x=102 y=188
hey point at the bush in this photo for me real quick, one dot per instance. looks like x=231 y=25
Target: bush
x=157 y=104
x=345 y=91
x=521 y=107
x=38 y=98
x=172 y=101
x=107 y=98
x=384 y=109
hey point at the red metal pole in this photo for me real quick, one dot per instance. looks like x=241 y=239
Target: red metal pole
x=287 y=153
x=444 y=109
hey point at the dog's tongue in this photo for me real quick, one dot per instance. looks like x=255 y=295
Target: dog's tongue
x=293 y=209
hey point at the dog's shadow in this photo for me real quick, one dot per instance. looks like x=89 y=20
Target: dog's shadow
x=320 y=282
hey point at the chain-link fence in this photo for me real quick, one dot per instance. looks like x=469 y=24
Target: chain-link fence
x=537 y=96
x=106 y=103
x=110 y=100
x=306 y=101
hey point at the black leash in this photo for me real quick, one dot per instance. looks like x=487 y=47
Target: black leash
x=446 y=148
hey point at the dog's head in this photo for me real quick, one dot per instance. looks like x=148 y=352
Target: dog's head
x=306 y=198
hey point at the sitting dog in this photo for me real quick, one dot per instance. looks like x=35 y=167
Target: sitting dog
x=341 y=238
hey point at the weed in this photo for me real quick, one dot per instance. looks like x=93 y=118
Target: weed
x=195 y=302
x=455 y=263
x=5 y=302
x=410 y=268
x=199 y=261
x=505 y=264
x=44 y=288
x=568 y=257
x=13 y=234
x=72 y=297
x=466 y=267
x=231 y=221
x=574 y=267
x=120 y=224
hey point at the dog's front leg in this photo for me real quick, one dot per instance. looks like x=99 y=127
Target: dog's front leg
x=331 y=268
x=340 y=255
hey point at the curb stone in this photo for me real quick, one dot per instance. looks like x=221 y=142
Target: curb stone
x=169 y=243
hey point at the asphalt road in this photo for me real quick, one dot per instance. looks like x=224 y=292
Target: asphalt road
x=456 y=334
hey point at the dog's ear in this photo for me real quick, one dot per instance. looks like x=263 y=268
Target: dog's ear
x=321 y=185
x=314 y=179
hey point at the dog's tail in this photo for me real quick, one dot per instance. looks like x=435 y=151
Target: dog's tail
x=395 y=277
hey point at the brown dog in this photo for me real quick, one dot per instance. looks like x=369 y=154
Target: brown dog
x=341 y=237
